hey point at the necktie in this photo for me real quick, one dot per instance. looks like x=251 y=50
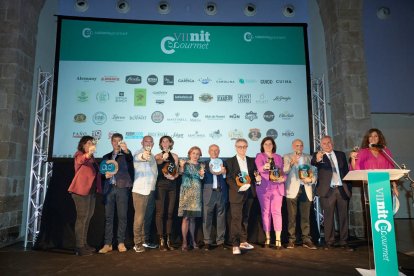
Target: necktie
x=113 y=180
x=214 y=181
x=335 y=177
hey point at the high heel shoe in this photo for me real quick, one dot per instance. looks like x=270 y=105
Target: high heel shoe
x=162 y=244
x=169 y=246
x=184 y=248
x=267 y=243
x=278 y=245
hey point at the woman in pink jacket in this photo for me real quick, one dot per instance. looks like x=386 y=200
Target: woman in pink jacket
x=85 y=184
x=373 y=154
x=271 y=190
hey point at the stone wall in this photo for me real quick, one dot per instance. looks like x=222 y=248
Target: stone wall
x=348 y=86
x=18 y=29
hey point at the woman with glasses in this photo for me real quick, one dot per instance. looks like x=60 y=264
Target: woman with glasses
x=272 y=189
x=242 y=191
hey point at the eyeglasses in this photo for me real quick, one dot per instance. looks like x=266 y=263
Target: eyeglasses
x=241 y=147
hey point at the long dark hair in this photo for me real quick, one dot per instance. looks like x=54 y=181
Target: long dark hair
x=83 y=141
x=268 y=138
x=365 y=140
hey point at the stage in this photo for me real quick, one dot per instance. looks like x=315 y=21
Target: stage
x=14 y=260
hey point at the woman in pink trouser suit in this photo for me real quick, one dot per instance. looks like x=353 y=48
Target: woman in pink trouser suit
x=270 y=193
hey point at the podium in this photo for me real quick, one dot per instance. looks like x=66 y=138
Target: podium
x=378 y=196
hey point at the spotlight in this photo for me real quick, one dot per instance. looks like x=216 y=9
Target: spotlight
x=163 y=7
x=122 y=6
x=289 y=10
x=81 y=5
x=250 y=9
x=210 y=8
x=383 y=13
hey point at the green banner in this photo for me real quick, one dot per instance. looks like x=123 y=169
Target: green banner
x=382 y=224
x=131 y=42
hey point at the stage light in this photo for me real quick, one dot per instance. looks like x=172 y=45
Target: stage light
x=163 y=7
x=383 y=13
x=122 y=6
x=210 y=8
x=81 y=5
x=289 y=10
x=250 y=9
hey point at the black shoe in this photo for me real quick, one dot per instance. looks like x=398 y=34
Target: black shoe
x=83 y=252
x=207 y=247
x=90 y=248
x=309 y=245
x=290 y=245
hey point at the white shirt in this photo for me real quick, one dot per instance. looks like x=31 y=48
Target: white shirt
x=242 y=164
x=146 y=174
x=335 y=161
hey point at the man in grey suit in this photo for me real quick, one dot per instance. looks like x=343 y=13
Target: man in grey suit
x=299 y=192
x=214 y=198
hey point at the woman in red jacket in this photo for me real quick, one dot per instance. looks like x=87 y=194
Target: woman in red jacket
x=85 y=184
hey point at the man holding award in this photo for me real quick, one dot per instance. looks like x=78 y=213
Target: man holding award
x=299 y=192
x=241 y=180
x=116 y=191
x=214 y=197
x=146 y=173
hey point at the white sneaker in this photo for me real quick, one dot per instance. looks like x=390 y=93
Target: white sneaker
x=246 y=245
x=236 y=250
x=150 y=245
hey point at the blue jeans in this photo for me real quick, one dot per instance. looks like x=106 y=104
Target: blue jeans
x=119 y=197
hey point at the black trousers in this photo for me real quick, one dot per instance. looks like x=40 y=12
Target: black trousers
x=164 y=195
x=239 y=221
x=335 y=200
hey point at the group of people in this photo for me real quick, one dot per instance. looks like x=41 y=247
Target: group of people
x=207 y=187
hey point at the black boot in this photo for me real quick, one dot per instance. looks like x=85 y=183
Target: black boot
x=162 y=244
x=169 y=243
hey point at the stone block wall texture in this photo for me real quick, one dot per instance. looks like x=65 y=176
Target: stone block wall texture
x=348 y=85
x=18 y=30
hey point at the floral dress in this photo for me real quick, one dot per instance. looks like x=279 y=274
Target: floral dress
x=190 y=192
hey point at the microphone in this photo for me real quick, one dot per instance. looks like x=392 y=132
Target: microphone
x=378 y=146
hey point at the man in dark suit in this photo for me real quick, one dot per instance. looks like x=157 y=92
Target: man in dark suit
x=241 y=201
x=334 y=193
x=214 y=197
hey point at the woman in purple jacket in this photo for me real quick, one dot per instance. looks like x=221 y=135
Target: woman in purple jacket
x=271 y=190
x=85 y=184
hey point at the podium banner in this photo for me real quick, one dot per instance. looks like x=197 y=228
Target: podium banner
x=382 y=221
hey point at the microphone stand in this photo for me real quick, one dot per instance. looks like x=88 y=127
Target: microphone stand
x=402 y=167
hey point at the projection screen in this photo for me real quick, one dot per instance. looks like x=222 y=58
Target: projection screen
x=199 y=83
